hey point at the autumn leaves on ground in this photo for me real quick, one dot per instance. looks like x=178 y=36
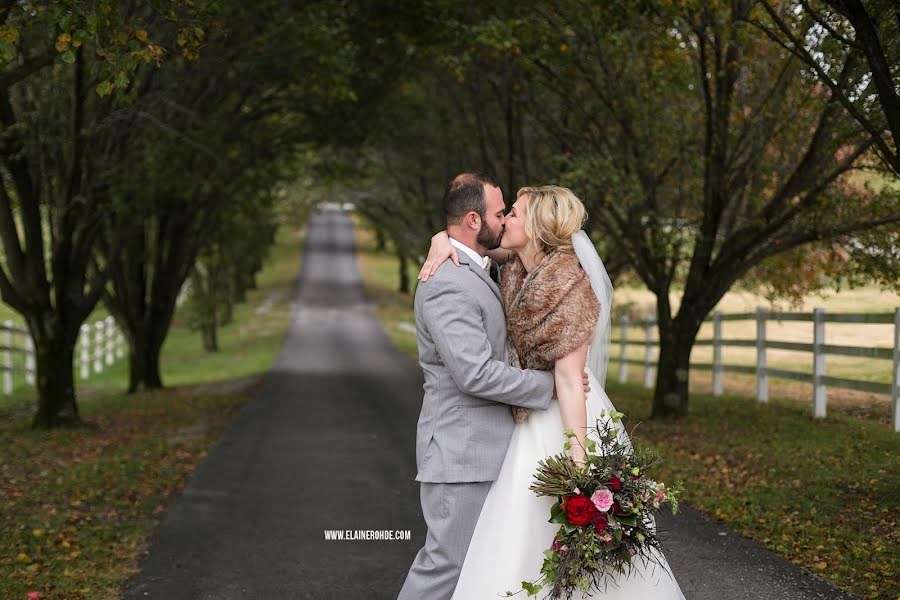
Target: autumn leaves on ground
x=77 y=505
x=823 y=494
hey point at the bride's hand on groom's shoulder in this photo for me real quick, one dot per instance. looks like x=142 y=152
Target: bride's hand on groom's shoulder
x=441 y=249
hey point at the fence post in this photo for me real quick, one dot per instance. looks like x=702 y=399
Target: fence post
x=120 y=343
x=819 y=394
x=762 y=378
x=623 y=351
x=85 y=343
x=98 y=347
x=717 y=353
x=895 y=393
x=29 y=359
x=109 y=327
x=7 y=357
x=648 y=356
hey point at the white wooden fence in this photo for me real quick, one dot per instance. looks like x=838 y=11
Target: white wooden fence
x=818 y=348
x=100 y=344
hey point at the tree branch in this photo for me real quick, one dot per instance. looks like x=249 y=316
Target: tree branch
x=20 y=72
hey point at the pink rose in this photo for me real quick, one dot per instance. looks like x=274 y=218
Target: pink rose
x=34 y=596
x=602 y=499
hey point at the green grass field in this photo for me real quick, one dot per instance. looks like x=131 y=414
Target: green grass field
x=77 y=505
x=822 y=493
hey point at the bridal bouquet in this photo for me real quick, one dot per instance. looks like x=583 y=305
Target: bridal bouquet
x=605 y=510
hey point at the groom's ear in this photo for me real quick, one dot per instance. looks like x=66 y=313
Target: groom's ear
x=472 y=220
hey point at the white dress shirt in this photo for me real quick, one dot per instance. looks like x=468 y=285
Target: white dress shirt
x=484 y=261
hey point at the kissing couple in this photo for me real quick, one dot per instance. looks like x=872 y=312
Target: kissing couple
x=513 y=324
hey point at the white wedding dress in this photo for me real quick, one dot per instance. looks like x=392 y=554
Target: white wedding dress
x=513 y=531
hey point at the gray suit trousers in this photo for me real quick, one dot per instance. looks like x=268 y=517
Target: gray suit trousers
x=451 y=511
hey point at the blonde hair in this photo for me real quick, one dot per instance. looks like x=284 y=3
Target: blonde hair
x=554 y=214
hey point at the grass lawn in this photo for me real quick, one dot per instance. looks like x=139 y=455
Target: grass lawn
x=77 y=505
x=823 y=494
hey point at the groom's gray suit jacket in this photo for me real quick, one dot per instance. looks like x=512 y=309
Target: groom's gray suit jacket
x=465 y=425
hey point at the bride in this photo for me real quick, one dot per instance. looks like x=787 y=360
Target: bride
x=556 y=296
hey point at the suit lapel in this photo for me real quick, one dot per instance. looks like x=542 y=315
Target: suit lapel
x=478 y=270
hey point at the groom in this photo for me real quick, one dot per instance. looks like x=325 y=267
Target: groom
x=465 y=424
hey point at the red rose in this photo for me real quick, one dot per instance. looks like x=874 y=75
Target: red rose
x=600 y=522
x=615 y=484
x=615 y=508
x=580 y=510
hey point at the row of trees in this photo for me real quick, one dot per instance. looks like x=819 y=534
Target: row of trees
x=714 y=143
x=141 y=146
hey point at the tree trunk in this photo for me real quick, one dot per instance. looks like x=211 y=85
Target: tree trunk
x=144 y=299
x=54 y=354
x=144 y=371
x=210 y=337
x=227 y=310
x=240 y=283
x=676 y=339
x=228 y=287
x=404 y=274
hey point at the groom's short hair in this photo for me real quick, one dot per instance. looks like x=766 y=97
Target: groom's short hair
x=465 y=193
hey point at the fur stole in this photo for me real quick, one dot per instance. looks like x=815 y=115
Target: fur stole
x=549 y=312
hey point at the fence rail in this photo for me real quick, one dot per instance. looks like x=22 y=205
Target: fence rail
x=101 y=343
x=818 y=348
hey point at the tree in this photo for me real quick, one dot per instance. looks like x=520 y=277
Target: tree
x=705 y=150
x=858 y=39
x=217 y=136
x=66 y=79
x=701 y=148
x=227 y=263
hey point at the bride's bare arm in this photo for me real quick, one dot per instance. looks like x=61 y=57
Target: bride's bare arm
x=441 y=249
x=570 y=389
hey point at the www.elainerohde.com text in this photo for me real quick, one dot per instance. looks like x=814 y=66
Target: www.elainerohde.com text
x=368 y=534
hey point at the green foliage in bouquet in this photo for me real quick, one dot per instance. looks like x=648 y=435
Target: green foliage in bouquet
x=605 y=510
